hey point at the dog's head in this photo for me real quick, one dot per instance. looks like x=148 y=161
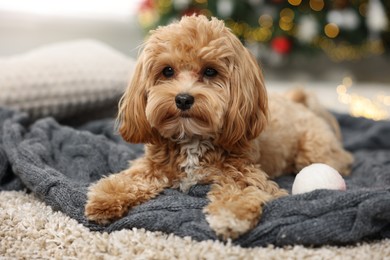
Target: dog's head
x=194 y=78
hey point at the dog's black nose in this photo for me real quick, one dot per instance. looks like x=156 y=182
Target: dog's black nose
x=184 y=101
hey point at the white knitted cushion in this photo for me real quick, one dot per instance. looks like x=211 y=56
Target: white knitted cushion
x=64 y=79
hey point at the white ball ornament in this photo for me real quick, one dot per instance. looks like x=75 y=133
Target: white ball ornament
x=181 y=4
x=225 y=7
x=307 y=29
x=376 y=16
x=345 y=19
x=317 y=176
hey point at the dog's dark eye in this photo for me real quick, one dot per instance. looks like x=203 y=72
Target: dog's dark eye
x=168 y=72
x=210 y=72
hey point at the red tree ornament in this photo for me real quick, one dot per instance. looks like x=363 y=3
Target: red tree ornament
x=281 y=45
x=191 y=11
x=146 y=5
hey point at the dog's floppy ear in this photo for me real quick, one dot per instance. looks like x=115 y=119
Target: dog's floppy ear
x=133 y=125
x=248 y=104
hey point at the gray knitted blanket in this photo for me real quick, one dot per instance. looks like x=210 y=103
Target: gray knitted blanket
x=58 y=162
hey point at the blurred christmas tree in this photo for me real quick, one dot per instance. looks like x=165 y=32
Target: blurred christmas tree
x=344 y=30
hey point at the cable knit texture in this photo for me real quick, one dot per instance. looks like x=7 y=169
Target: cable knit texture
x=57 y=163
x=64 y=79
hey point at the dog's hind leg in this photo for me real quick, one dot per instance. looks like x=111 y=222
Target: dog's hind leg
x=310 y=100
x=316 y=146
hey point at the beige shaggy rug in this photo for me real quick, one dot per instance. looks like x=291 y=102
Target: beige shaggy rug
x=31 y=230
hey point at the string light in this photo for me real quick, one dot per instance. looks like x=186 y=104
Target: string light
x=286 y=19
x=266 y=21
x=331 y=30
x=360 y=106
x=294 y=2
x=316 y=5
x=344 y=51
x=363 y=9
x=329 y=36
x=164 y=6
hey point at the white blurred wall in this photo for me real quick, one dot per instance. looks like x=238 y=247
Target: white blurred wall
x=26 y=24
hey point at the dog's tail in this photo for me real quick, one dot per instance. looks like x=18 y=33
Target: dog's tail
x=310 y=100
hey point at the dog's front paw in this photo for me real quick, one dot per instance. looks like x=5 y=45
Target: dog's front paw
x=233 y=211
x=103 y=209
x=227 y=225
x=107 y=201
